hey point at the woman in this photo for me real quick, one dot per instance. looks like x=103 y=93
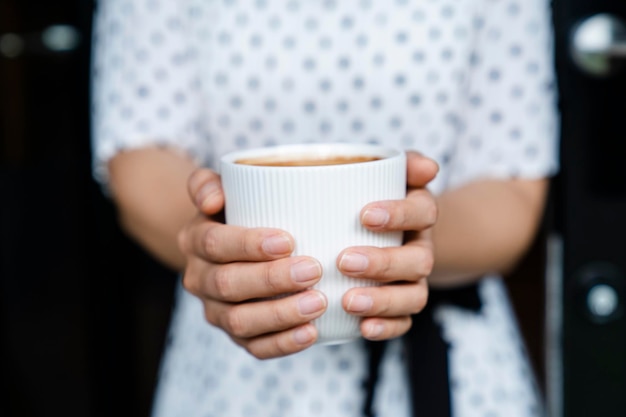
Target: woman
x=467 y=84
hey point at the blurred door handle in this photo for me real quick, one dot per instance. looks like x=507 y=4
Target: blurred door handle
x=598 y=45
x=60 y=38
x=55 y=39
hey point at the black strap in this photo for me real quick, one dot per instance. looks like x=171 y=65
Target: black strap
x=427 y=353
x=427 y=356
x=376 y=350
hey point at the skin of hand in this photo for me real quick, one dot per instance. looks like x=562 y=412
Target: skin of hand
x=235 y=271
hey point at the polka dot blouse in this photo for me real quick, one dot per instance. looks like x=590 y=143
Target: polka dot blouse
x=469 y=83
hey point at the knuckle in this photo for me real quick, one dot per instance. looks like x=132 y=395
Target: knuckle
x=196 y=179
x=257 y=351
x=245 y=243
x=269 y=276
x=383 y=305
x=433 y=212
x=188 y=282
x=224 y=284
x=428 y=262
x=252 y=350
x=280 y=317
x=281 y=346
x=265 y=347
x=424 y=262
x=233 y=323
x=251 y=244
x=383 y=261
x=385 y=308
x=400 y=216
x=210 y=316
x=210 y=242
x=426 y=208
x=181 y=239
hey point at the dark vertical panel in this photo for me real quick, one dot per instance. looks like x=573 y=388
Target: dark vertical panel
x=83 y=311
x=590 y=208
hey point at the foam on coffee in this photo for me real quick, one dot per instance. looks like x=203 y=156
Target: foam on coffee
x=292 y=161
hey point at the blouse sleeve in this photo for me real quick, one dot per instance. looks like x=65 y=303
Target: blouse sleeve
x=509 y=129
x=145 y=83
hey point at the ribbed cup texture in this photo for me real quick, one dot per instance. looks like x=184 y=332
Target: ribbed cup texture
x=320 y=207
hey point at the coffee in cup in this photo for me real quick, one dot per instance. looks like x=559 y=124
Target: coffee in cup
x=303 y=160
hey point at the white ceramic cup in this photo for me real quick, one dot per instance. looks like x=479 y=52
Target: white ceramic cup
x=320 y=207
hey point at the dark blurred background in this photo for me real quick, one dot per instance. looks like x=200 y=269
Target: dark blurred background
x=84 y=311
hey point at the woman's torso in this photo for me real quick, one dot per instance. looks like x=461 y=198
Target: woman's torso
x=400 y=72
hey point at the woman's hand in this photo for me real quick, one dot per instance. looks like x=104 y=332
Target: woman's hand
x=387 y=309
x=231 y=268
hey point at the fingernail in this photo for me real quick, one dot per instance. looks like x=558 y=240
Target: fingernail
x=375 y=217
x=206 y=192
x=353 y=262
x=276 y=245
x=311 y=303
x=303 y=335
x=305 y=271
x=359 y=303
x=374 y=330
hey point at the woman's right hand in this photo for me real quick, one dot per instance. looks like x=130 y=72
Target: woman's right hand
x=233 y=270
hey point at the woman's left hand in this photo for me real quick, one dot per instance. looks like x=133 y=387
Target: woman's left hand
x=402 y=271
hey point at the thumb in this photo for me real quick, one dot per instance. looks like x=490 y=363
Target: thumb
x=420 y=169
x=205 y=189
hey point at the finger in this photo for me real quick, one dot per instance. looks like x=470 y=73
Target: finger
x=252 y=319
x=383 y=329
x=387 y=300
x=420 y=169
x=240 y=281
x=280 y=344
x=409 y=263
x=205 y=189
x=416 y=212
x=217 y=242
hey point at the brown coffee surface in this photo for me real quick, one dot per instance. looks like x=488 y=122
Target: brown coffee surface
x=304 y=161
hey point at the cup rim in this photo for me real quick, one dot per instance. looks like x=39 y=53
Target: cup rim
x=321 y=150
